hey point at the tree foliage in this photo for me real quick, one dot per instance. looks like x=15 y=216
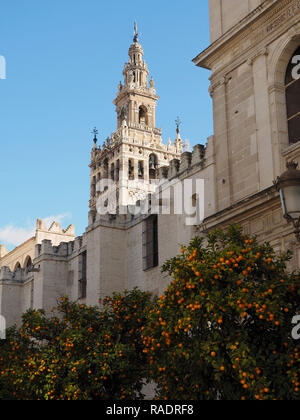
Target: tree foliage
x=222 y=329
x=82 y=353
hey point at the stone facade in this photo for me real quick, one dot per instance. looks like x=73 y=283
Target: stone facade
x=252 y=44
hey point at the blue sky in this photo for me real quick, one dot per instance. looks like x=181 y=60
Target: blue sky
x=64 y=62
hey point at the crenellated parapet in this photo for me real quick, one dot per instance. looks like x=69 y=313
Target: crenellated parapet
x=64 y=250
x=18 y=276
x=23 y=255
x=5 y=274
x=189 y=161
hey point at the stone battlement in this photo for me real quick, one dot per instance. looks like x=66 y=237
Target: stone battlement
x=188 y=162
x=19 y=276
x=20 y=256
x=64 y=249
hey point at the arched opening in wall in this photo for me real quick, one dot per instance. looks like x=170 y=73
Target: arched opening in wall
x=93 y=187
x=118 y=170
x=150 y=243
x=292 y=91
x=195 y=207
x=194 y=200
x=28 y=262
x=17 y=266
x=152 y=166
x=105 y=164
x=143 y=115
x=82 y=275
x=131 y=169
x=112 y=172
x=123 y=115
x=141 y=170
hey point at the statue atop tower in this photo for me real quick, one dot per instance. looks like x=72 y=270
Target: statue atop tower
x=136 y=34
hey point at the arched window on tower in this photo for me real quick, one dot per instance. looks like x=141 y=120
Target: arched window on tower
x=123 y=115
x=118 y=170
x=152 y=166
x=143 y=115
x=93 y=187
x=112 y=171
x=130 y=169
x=292 y=89
x=141 y=170
x=105 y=175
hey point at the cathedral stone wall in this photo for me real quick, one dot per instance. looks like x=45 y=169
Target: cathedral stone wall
x=259 y=215
x=115 y=243
x=15 y=294
x=225 y=14
x=107 y=262
x=51 y=279
x=249 y=105
x=249 y=58
x=171 y=234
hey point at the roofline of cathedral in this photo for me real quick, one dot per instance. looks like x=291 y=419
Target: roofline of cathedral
x=19 y=246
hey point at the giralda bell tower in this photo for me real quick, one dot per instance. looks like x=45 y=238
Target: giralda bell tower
x=130 y=157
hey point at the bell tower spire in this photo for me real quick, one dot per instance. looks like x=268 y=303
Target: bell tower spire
x=135 y=151
x=136 y=100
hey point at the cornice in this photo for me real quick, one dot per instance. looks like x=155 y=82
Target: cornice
x=254 y=202
x=127 y=92
x=247 y=34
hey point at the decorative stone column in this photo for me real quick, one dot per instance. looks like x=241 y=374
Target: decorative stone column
x=263 y=123
x=223 y=171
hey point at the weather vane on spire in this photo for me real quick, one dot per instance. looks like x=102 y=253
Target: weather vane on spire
x=178 y=124
x=136 y=34
x=95 y=132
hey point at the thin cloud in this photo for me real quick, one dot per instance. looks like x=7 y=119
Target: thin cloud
x=187 y=146
x=13 y=236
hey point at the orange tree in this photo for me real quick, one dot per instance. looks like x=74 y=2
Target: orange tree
x=11 y=359
x=82 y=353
x=222 y=329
